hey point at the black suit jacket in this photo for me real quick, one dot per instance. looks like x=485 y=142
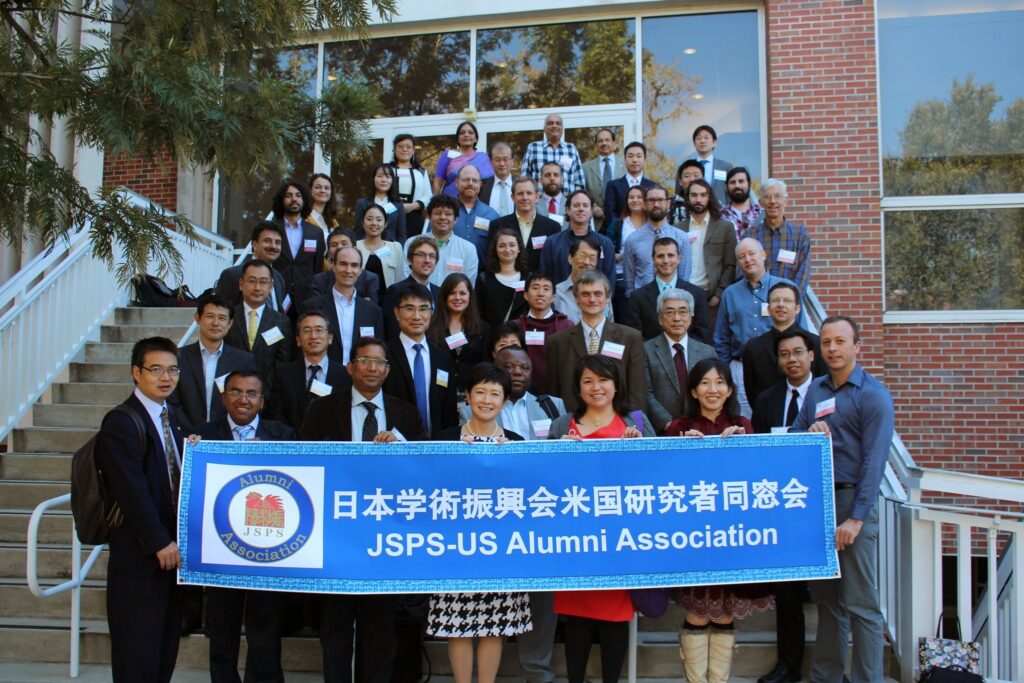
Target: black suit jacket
x=266 y=356
x=366 y=315
x=190 y=395
x=288 y=401
x=367 y=284
x=542 y=227
x=298 y=272
x=227 y=286
x=761 y=365
x=642 y=312
x=770 y=408
x=137 y=482
x=388 y=305
x=443 y=408
x=266 y=430
x=330 y=418
x=615 y=198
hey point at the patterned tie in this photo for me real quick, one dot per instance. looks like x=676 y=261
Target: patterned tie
x=170 y=455
x=606 y=174
x=253 y=324
x=680 y=361
x=792 y=409
x=594 y=342
x=243 y=432
x=370 y=423
x=503 y=196
x=314 y=370
x=419 y=378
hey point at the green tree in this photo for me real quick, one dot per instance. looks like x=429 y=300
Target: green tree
x=187 y=77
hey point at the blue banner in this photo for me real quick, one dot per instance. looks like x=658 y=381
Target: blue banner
x=537 y=515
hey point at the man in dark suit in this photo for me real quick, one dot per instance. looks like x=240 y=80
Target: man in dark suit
x=600 y=170
x=642 y=312
x=422 y=254
x=421 y=373
x=670 y=356
x=712 y=242
x=267 y=238
x=500 y=200
x=205 y=364
x=776 y=408
x=705 y=139
x=367 y=284
x=534 y=228
x=361 y=413
x=302 y=252
x=258 y=329
x=595 y=334
x=142 y=473
x=314 y=374
x=349 y=315
x=241 y=421
x=616 y=191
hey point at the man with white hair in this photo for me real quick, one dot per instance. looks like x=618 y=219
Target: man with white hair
x=787 y=244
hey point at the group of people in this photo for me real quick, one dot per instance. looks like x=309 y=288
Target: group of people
x=576 y=301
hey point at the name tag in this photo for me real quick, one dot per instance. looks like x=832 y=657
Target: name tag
x=541 y=428
x=538 y=242
x=535 y=337
x=454 y=265
x=692 y=236
x=389 y=208
x=455 y=341
x=719 y=174
x=519 y=286
x=272 y=336
x=287 y=303
x=219 y=381
x=454 y=154
x=398 y=434
x=613 y=350
x=320 y=388
x=787 y=256
x=403 y=172
x=482 y=223
x=565 y=163
x=780 y=430
x=764 y=310
x=442 y=378
x=309 y=245
x=383 y=253
x=366 y=332
x=826 y=407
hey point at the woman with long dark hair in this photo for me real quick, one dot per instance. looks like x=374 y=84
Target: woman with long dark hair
x=501 y=284
x=414 y=190
x=383 y=192
x=465 y=153
x=325 y=205
x=379 y=255
x=456 y=325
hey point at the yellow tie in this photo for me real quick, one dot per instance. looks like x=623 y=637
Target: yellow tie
x=592 y=349
x=252 y=328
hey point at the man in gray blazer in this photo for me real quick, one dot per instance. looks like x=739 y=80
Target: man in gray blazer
x=603 y=168
x=666 y=368
x=712 y=242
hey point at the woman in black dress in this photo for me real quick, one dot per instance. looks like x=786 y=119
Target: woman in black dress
x=501 y=284
x=456 y=325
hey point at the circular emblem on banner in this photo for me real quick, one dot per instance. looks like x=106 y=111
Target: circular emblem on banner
x=263 y=515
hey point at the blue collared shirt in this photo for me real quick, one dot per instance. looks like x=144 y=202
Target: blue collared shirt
x=554 y=257
x=468 y=228
x=862 y=427
x=742 y=315
x=637 y=262
x=791 y=237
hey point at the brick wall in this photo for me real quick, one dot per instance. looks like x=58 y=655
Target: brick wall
x=156 y=179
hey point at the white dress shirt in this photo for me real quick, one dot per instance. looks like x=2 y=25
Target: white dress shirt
x=515 y=417
x=255 y=424
x=210 y=359
x=153 y=409
x=502 y=191
x=698 y=233
x=345 y=307
x=686 y=350
x=359 y=413
x=410 y=355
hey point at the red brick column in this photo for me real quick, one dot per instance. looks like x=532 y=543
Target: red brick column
x=156 y=179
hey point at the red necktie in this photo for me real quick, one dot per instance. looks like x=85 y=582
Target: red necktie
x=680 y=360
x=552 y=207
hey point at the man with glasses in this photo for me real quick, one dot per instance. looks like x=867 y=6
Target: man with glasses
x=474 y=216
x=228 y=608
x=496 y=191
x=422 y=254
x=554 y=259
x=142 y=473
x=637 y=268
x=421 y=373
x=257 y=328
x=267 y=238
x=314 y=375
x=787 y=244
x=457 y=251
x=583 y=256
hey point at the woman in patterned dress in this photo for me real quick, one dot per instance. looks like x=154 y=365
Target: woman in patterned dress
x=488 y=617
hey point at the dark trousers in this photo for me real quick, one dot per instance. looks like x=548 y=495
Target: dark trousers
x=580 y=633
x=363 y=625
x=226 y=609
x=789 y=622
x=144 y=616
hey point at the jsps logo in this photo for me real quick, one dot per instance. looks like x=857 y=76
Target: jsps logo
x=263 y=516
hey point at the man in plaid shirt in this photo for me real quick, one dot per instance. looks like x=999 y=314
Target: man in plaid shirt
x=787 y=245
x=742 y=209
x=552 y=150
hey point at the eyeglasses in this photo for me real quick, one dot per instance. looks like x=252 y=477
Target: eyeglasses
x=412 y=310
x=309 y=331
x=159 y=370
x=238 y=393
x=251 y=281
x=798 y=352
x=676 y=313
x=366 y=362
x=430 y=256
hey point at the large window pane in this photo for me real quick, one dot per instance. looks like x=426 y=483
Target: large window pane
x=558 y=65
x=952 y=96
x=701 y=69
x=954 y=260
x=352 y=179
x=413 y=75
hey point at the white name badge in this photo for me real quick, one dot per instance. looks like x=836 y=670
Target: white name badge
x=309 y=245
x=613 y=350
x=826 y=407
x=389 y=208
x=519 y=286
x=482 y=223
x=404 y=172
x=538 y=242
x=320 y=388
x=565 y=163
x=692 y=236
x=780 y=430
x=787 y=256
x=383 y=253
x=454 y=265
x=719 y=174
x=272 y=336
x=541 y=428
x=366 y=332
x=764 y=310
x=442 y=378
x=455 y=341
x=454 y=154
x=535 y=337
x=219 y=381
x=287 y=303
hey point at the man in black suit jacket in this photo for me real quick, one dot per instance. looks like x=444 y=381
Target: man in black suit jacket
x=361 y=413
x=642 y=312
x=198 y=395
x=343 y=299
x=241 y=404
x=271 y=341
x=296 y=384
x=367 y=284
x=302 y=253
x=267 y=238
x=501 y=161
x=420 y=270
x=435 y=398
x=534 y=228
x=142 y=475
x=615 y=192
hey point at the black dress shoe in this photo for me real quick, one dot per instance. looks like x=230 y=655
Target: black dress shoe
x=780 y=674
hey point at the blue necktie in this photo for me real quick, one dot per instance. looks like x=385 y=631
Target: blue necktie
x=243 y=432
x=419 y=378
x=704 y=166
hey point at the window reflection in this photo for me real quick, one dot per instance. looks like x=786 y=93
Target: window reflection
x=352 y=179
x=412 y=75
x=556 y=65
x=952 y=118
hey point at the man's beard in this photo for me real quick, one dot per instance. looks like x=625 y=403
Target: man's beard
x=739 y=195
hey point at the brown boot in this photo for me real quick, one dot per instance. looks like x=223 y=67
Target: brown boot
x=720 y=647
x=693 y=649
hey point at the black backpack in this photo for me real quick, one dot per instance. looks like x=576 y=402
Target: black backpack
x=152 y=291
x=88 y=494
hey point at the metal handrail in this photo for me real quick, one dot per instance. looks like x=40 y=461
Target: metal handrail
x=194 y=327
